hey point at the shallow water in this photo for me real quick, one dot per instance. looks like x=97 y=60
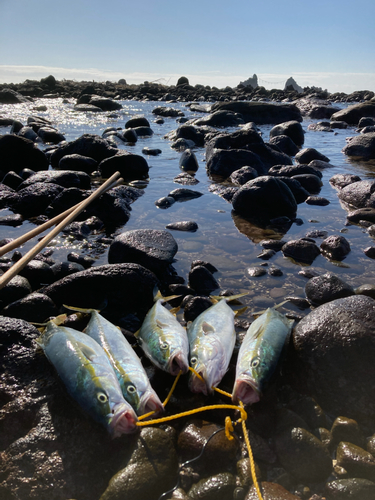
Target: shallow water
x=221 y=240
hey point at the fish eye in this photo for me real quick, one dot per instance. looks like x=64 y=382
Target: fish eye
x=164 y=345
x=102 y=397
x=255 y=362
x=194 y=360
x=131 y=389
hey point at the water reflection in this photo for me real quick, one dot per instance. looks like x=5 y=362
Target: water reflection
x=257 y=229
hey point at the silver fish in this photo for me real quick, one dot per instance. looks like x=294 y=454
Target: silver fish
x=164 y=340
x=88 y=376
x=134 y=383
x=211 y=337
x=259 y=355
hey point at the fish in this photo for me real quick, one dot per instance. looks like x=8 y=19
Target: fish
x=88 y=376
x=163 y=339
x=212 y=338
x=133 y=379
x=259 y=355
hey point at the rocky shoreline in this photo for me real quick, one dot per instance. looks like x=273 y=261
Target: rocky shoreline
x=312 y=433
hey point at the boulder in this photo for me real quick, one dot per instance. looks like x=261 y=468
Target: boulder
x=64 y=178
x=123 y=288
x=137 y=121
x=34 y=199
x=261 y=112
x=78 y=163
x=335 y=247
x=327 y=287
x=130 y=166
x=90 y=145
x=335 y=343
x=265 y=197
x=151 y=248
x=352 y=114
x=309 y=154
x=285 y=144
x=359 y=194
x=188 y=161
x=17 y=153
x=302 y=250
x=223 y=162
x=293 y=129
x=361 y=146
x=222 y=118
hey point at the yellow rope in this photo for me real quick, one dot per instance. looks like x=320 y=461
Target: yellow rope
x=228 y=423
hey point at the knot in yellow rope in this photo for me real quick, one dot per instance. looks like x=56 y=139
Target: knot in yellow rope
x=229 y=428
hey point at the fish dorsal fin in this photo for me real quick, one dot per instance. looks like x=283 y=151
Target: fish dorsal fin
x=87 y=351
x=80 y=309
x=207 y=328
x=240 y=311
x=258 y=332
x=160 y=324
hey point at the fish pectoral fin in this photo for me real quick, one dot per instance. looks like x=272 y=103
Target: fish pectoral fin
x=86 y=351
x=207 y=328
x=240 y=311
x=175 y=310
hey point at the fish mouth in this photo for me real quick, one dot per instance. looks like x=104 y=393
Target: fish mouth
x=245 y=391
x=123 y=422
x=178 y=363
x=197 y=385
x=151 y=403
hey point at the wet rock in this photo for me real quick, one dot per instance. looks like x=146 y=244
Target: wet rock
x=224 y=162
x=188 y=161
x=333 y=342
x=266 y=254
x=219 y=487
x=90 y=145
x=202 y=281
x=78 y=162
x=17 y=153
x=244 y=138
x=165 y=202
x=186 y=179
x=322 y=111
x=167 y=111
x=64 y=178
x=37 y=273
x=366 y=122
x=105 y=104
x=143 y=131
x=222 y=118
x=137 y=121
x=310 y=411
x=317 y=201
x=12 y=180
x=265 y=197
x=292 y=129
x=182 y=144
x=256 y=271
x=361 y=146
x=50 y=136
x=361 y=214
x=352 y=114
x=151 y=248
x=301 y=250
x=242 y=175
x=9 y=96
x=190 y=226
x=299 y=192
x=151 y=470
x=191 y=133
x=355 y=460
x=311 y=183
x=273 y=244
x=34 y=199
x=309 y=154
x=347 y=429
x=129 y=165
x=326 y=288
x=205 y=264
x=369 y=252
x=184 y=194
x=35 y=308
x=194 y=306
x=285 y=144
x=62 y=269
x=219 y=454
x=271 y=491
x=261 y=112
x=129 y=135
x=275 y=271
x=293 y=170
x=349 y=489
x=118 y=288
x=366 y=289
x=303 y=455
x=17 y=288
x=335 y=247
x=244 y=472
x=90 y=108
x=83 y=260
x=151 y=151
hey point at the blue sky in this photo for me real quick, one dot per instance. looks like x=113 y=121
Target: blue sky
x=327 y=43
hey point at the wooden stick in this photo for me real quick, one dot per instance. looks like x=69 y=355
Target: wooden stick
x=19 y=265
x=43 y=227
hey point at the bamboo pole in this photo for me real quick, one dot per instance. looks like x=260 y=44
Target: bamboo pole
x=19 y=265
x=43 y=227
